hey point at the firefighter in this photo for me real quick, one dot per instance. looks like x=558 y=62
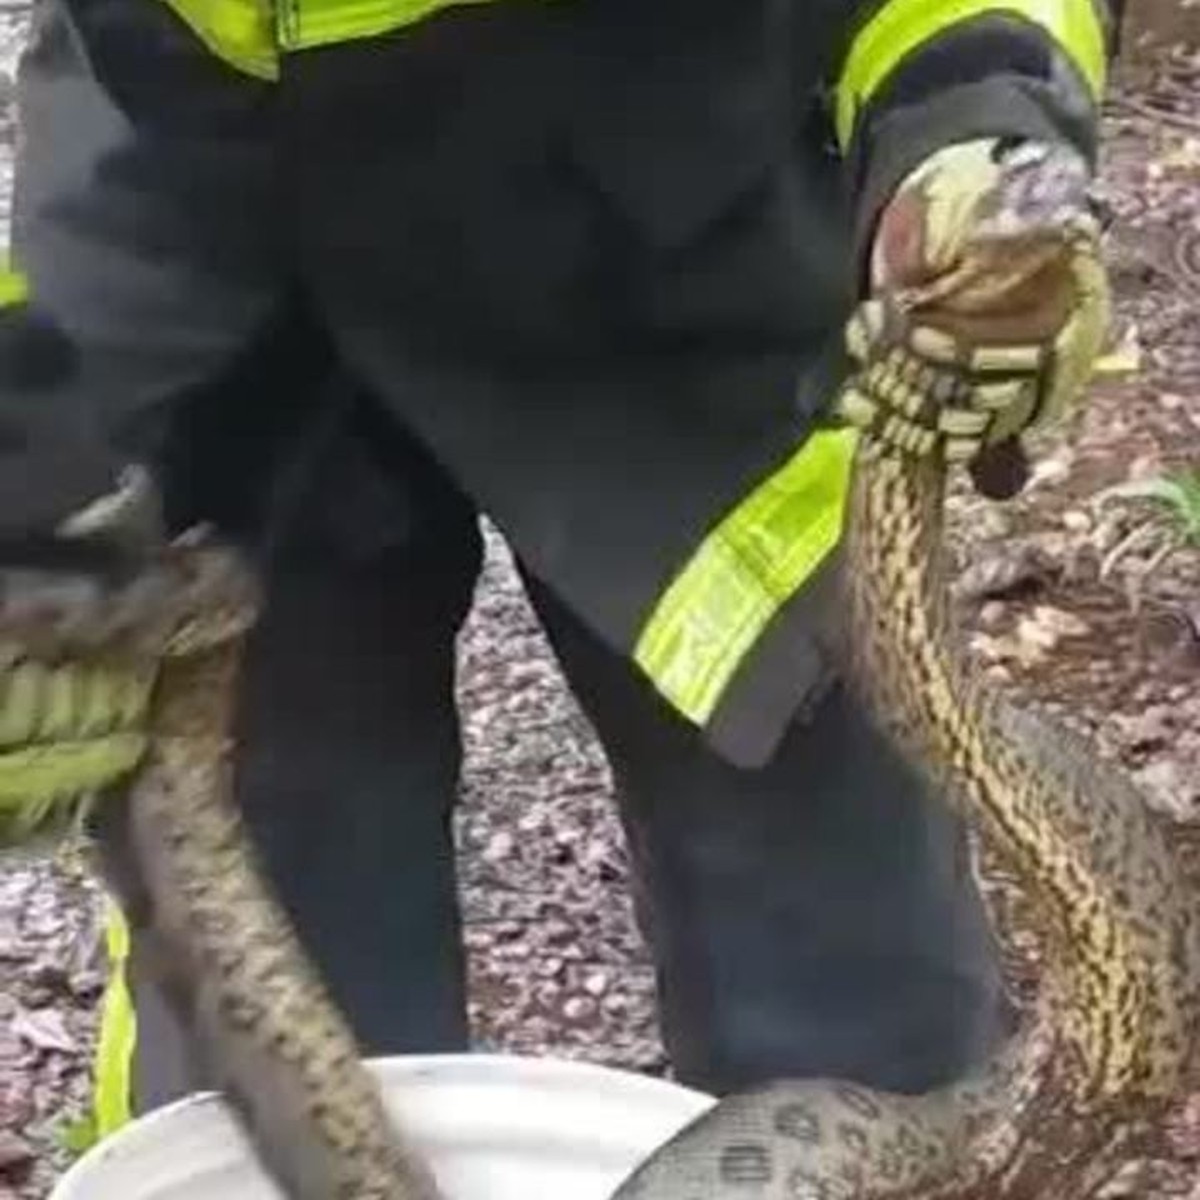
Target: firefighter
x=341 y=275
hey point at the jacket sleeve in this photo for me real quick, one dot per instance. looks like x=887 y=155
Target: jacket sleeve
x=50 y=463
x=914 y=76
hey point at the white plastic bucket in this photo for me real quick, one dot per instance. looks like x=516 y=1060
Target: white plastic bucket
x=492 y=1127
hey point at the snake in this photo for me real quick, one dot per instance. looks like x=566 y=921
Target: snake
x=1110 y=1042
x=154 y=708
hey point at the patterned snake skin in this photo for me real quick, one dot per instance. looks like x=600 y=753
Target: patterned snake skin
x=1113 y=1038
x=208 y=926
x=1113 y=1041
x=281 y=1052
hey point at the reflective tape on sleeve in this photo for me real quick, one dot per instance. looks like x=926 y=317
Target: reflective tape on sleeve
x=743 y=573
x=903 y=26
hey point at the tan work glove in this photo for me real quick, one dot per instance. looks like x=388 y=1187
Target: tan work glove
x=989 y=306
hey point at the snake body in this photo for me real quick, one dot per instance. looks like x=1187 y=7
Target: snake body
x=223 y=947
x=1113 y=1036
x=1113 y=1040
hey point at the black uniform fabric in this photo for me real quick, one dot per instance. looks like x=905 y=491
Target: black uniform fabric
x=593 y=269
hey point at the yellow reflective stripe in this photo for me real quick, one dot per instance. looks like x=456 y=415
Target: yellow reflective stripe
x=902 y=26
x=113 y=1090
x=14 y=287
x=304 y=23
x=747 y=568
x=249 y=34
x=242 y=32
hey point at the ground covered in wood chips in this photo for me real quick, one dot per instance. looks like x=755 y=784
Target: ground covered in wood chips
x=1053 y=590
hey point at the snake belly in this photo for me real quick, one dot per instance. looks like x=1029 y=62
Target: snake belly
x=1113 y=1040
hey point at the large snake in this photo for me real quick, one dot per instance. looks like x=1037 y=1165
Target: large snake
x=1085 y=1083
x=1113 y=1038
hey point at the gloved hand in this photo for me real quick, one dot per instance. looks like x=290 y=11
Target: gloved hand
x=989 y=304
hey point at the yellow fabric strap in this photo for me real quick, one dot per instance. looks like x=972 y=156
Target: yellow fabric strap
x=242 y=32
x=304 y=23
x=14 y=287
x=250 y=34
x=902 y=26
x=746 y=569
x=113 y=1090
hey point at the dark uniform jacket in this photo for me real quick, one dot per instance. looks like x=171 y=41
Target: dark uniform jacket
x=595 y=254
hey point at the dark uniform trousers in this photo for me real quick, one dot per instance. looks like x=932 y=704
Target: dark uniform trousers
x=815 y=916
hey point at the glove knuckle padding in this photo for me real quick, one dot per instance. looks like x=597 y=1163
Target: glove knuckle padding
x=962 y=422
x=909 y=389
x=1006 y=360
x=989 y=285
x=926 y=380
x=998 y=397
x=934 y=345
x=40 y=703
